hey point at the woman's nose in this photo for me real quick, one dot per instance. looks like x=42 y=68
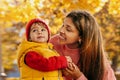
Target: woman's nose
x=62 y=30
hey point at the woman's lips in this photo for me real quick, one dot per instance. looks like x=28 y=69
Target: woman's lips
x=61 y=37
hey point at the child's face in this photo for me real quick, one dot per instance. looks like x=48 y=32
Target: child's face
x=38 y=33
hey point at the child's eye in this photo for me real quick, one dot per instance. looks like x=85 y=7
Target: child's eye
x=34 y=30
x=43 y=29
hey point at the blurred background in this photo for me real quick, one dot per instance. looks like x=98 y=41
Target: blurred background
x=14 y=14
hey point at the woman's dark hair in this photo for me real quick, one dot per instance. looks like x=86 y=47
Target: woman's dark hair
x=91 y=61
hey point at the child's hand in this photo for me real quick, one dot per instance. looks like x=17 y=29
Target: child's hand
x=69 y=60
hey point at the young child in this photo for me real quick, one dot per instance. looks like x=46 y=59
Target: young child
x=37 y=44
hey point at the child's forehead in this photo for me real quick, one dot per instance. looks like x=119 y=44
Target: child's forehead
x=38 y=24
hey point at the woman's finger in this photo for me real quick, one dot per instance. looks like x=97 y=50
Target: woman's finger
x=71 y=66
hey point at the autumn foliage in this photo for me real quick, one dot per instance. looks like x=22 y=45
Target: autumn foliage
x=14 y=15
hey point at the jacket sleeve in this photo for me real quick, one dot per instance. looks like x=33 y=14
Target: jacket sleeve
x=109 y=73
x=38 y=62
x=82 y=77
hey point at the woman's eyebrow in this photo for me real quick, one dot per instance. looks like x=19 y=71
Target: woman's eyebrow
x=69 y=26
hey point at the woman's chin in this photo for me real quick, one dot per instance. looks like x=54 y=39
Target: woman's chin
x=62 y=42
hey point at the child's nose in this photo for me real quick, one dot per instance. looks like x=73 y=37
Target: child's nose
x=39 y=32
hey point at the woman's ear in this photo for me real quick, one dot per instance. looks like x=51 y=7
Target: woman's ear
x=79 y=40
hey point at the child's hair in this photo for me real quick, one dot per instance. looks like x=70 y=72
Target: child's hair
x=30 y=23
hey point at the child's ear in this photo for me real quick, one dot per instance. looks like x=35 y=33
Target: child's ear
x=30 y=39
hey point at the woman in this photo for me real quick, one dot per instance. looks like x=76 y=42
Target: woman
x=80 y=38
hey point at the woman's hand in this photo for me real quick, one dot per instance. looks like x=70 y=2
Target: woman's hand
x=72 y=71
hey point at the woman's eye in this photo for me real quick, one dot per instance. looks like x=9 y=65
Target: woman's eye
x=68 y=29
x=62 y=25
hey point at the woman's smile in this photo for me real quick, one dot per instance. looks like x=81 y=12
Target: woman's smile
x=61 y=37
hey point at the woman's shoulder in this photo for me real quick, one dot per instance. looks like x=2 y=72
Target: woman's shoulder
x=109 y=72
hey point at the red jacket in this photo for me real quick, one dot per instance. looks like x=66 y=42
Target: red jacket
x=36 y=61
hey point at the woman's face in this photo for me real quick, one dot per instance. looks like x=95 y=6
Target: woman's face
x=68 y=33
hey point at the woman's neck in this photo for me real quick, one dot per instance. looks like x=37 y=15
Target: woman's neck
x=73 y=46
